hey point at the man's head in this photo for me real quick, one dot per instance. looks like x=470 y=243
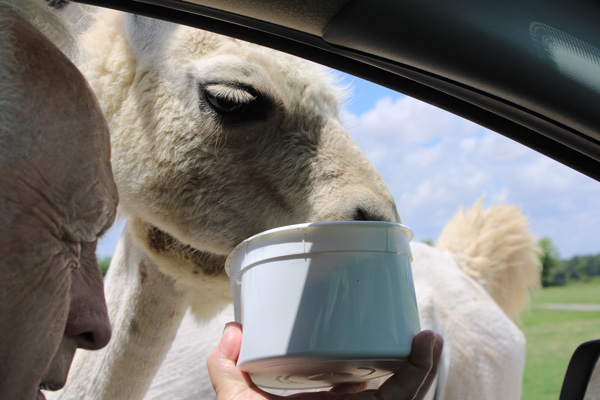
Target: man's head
x=57 y=195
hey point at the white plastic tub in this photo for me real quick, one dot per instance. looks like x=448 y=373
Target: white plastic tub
x=324 y=303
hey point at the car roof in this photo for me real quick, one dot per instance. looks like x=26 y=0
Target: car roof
x=527 y=70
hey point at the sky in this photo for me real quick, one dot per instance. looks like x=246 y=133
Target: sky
x=435 y=163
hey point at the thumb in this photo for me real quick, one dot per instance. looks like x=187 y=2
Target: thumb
x=227 y=380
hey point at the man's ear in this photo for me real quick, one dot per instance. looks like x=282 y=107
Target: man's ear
x=147 y=35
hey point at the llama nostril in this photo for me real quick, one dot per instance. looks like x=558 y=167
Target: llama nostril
x=359 y=215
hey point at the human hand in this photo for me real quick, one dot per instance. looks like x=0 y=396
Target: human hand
x=411 y=381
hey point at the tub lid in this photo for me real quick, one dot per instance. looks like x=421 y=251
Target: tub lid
x=320 y=237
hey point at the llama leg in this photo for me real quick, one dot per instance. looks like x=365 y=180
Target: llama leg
x=145 y=309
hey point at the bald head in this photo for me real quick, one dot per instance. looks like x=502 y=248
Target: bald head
x=52 y=121
x=16 y=19
x=57 y=196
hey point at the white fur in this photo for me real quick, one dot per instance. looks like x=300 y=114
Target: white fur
x=496 y=250
x=193 y=185
x=484 y=351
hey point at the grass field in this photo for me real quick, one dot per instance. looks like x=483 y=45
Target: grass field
x=553 y=335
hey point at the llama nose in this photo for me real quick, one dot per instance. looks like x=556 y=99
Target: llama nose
x=360 y=215
x=367 y=214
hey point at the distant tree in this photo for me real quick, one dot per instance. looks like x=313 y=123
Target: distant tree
x=582 y=267
x=104 y=263
x=595 y=265
x=428 y=241
x=550 y=260
x=590 y=266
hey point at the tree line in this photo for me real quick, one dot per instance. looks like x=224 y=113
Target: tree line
x=104 y=263
x=558 y=272
x=555 y=271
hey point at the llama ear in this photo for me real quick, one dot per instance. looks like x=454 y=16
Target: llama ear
x=147 y=35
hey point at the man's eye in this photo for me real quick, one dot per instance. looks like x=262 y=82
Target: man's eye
x=77 y=250
x=74 y=264
x=73 y=254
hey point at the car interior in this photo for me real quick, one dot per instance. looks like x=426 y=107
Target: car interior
x=527 y=70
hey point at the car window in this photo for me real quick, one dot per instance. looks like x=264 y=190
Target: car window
x=435 y=162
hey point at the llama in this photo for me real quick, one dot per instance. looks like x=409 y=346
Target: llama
x=213 y=140
x=484 y=351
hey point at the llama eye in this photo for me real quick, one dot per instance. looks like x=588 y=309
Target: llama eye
x=228 y=100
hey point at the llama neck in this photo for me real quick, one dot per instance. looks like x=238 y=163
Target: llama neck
x=145 y=308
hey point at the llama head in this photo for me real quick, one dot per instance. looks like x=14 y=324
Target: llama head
x=215 y=140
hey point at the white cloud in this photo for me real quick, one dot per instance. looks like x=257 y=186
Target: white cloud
x=545 y=174
x=406 y=122
x=422 y=157
x=435 y=162
x=500 y=148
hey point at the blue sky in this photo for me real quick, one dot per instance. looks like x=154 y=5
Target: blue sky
x=435 y=162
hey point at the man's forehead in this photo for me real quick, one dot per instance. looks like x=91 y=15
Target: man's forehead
x=42 y=66
x=55 y=91
x=72 y=149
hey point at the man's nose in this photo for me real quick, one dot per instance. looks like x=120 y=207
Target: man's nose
x=88 y=324
x=88 y=321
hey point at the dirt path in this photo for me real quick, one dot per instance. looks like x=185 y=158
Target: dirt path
x=569 y=307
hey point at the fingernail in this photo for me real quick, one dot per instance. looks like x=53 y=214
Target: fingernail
x=227 y=326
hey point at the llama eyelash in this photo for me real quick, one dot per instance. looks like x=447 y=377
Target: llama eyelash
x=233 y=102
x=232 y=94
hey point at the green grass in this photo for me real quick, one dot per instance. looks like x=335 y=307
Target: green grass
x=553 y=335
x=574 y=292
